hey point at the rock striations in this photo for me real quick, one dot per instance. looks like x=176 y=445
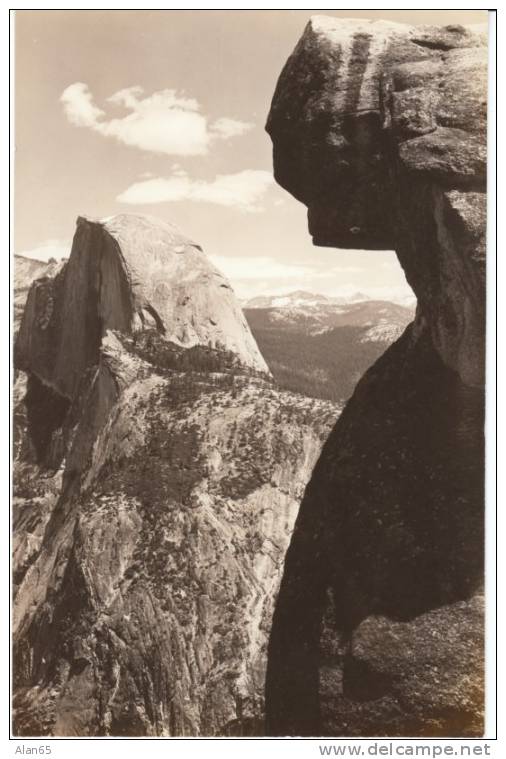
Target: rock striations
x=380 y=129
x=25 y=271
x=143 y=273
x=158 y=473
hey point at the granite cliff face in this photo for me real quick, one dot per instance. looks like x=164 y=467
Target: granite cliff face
x=25 y=271
x=380 y=129
x=158 y=473
x=143 y=273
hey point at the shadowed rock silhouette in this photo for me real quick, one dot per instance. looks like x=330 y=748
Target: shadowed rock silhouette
x=380 y=129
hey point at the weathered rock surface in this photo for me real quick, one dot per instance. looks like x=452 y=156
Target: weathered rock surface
x=157 y=480
x=380 y=129
x=143 y=272
x=25 y=271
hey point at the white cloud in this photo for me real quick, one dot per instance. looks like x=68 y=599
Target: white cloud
x=263 y=268
x=243 y=190
x=227 y=128
x=266 y=275
x=49 y=249
x=344 y=270
x=164 y=122
x=403 y=295
x=78 y=106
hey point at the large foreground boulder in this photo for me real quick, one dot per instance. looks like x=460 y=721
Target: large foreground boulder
x=380 y=129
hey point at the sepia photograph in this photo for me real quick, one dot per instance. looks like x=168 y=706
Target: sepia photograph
x=248 y=375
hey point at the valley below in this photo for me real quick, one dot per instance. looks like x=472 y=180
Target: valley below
x=320 y=346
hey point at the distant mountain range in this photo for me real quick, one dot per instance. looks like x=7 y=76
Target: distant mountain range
x=320 y=346
x=303 y=298
x=298 y=298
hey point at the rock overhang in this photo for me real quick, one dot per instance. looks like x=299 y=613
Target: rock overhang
x=380 y=130
x=355 y=98
x=390 y=529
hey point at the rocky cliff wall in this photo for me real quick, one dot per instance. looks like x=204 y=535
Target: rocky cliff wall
x=157 y=478
x=125 y=273
x=380 y=129
x=25 y=271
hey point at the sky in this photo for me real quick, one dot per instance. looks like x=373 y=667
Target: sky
x=163 y=113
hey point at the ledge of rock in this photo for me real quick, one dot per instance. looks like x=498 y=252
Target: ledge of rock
x=380 y=129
